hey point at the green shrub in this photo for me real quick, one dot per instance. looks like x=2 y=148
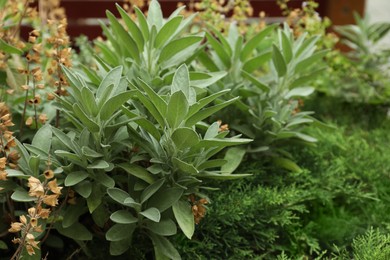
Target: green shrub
x=132 y=159
x=362 y=74
x=271 y=72
x=374 y=244
x=341 y=191
x=131 y=152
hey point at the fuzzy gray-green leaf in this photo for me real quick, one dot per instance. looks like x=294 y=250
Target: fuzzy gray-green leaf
x=279 y=61
x=123 y=217
x=152 y=213
x=177 y=109
x=184 y=217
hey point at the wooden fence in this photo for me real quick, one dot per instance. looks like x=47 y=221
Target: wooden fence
x=83 y=14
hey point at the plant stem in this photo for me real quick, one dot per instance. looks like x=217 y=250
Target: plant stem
x=17 y=29
x=55 y=213
x=25 y=103
x=59 y=85
x=35 y=106
x=19 y=250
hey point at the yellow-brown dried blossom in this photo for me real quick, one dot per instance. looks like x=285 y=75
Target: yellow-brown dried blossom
x=222 y=127
x=7 y=141
x=35 y=33
x=13 y=157
x=129 y=5
x=54 y=187
x=10 y=91
x=22 y=71
x=43 y=213
x=50 y=96
x=8 y=123
x=38 y=75
x=33 y=57
x=51 y=200
x=23 y=219
x=3 y=175
x=50 y=71
x=31 y=244
x=49 y=174
x=42 y=118
x=7 y=135
x=32 y=39
x=198 y=208
x=34 y=222
x=15 y=227
x=3 y=162
x=10 y=143
x=16 y=241
x=51 y=10
x=29 y=121
x=61 y=92
x=36 y=187
x=30 y=250
x=32 y=211
x=35 y=101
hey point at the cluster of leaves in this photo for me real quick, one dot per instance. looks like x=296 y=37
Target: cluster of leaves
x=132 y=150
x=341 y=192
x=138 y=144
x=362 y=74
x=271 y=72
x=373 y=244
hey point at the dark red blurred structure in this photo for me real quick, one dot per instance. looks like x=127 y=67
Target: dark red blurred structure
x=83 y=14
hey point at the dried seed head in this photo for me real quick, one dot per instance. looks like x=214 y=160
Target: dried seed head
x=15 y=240
x=42 y=118
x=3 y=175
x=30 y=250
x=34 y=222
x=35 y=33
x=3 y=161
x=32 y=39
x=13 y=156
x=36 y=187
x=51 y=200
x=54 y=187
x=43 y=213
x=23 y=219
x=50 y=96
x=32 y=211
x=38 y=229
x=15 y=227
x=49 y=174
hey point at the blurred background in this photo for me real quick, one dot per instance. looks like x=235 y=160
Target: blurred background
x=83 y=15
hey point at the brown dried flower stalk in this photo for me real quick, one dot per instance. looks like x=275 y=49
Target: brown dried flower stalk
x=35 y=74
x=8 y=156
x=11 y=17
x=46 y=193
x=61 y=55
